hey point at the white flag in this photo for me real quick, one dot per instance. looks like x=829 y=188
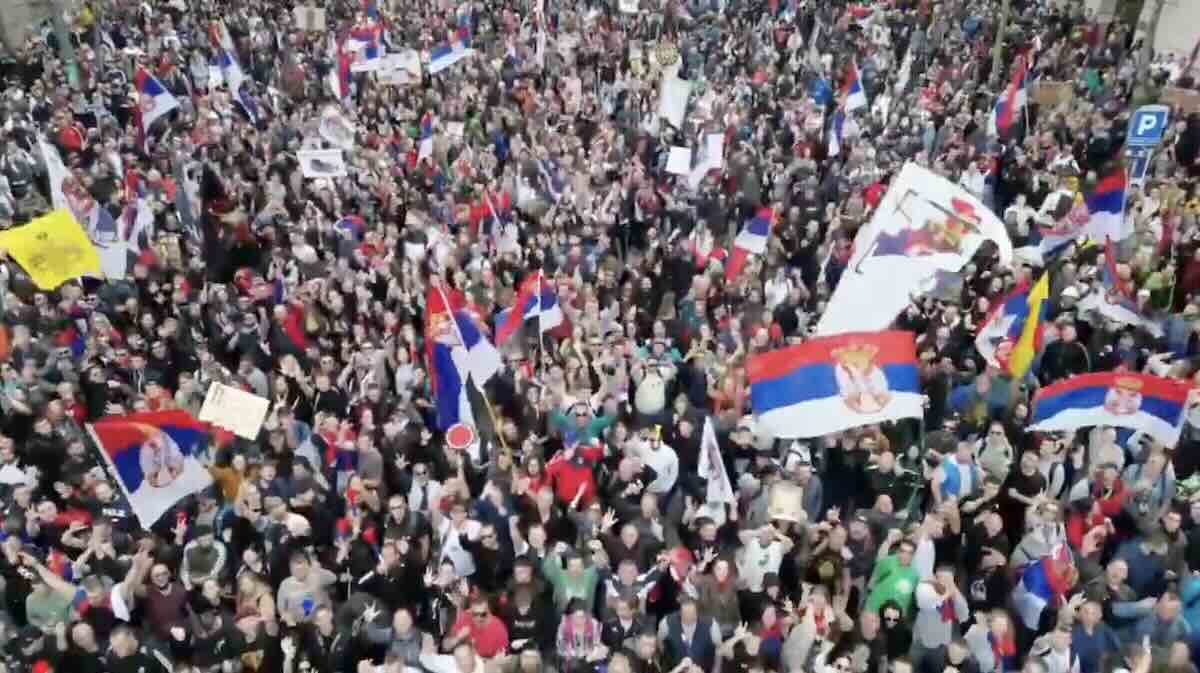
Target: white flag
x=712 y=467
x=924 y=224
x=814 y=54
x=56 y=172
x=905 y=73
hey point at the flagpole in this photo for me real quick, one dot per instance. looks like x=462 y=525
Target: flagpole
x=482 y=393
x=541 y=336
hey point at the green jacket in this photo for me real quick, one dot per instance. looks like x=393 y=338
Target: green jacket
x=583 y=435
x=567 y=587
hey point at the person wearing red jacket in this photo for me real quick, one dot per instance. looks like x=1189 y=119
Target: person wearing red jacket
x=570 y=473
x=1109 y=491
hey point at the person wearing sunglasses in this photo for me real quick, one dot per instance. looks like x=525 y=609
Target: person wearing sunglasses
x=897 y=635
x=478 y=626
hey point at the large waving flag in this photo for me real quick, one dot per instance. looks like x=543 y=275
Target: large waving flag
x=1042 y=583
x=366 y=46
x=454 y=49
x=712 y=467
x=752 y=240
x=1012 y=335
x=535 y=299
x=1011 y=103
x=52 y=249
x=1106 y=206
x=154 y=102
x=1152 y=404
x=154 y=456
x=231 y=71
x=1116 y=298
x=925 y=224
x=458 y=352
x=853 y=94
x=836 y=383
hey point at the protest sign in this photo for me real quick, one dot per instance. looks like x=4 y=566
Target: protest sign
x=309 y=18
x=336 y=129
x=1052 y=94
x=673 y=98
x=322 y=163
x=1186 y=100
x=679 y=162
x=235 y=410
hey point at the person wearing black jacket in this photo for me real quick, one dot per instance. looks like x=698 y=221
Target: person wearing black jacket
x=324 y=645
x=396 y=580
x=624 y=627
x=530 y=620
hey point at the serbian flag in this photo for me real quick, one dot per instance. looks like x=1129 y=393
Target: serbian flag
x=1011 y=102
x=1012 y=335
x=535 y=299
x=1116 y=298
x=751 y=240
x=1151 y=404
x=1043 y=583
x=339 y=75
x=1106 y=206
x=835 y=383
x=154 y=456
x=458 y=350
x=366 y=46
x=353 y=225
x=154 y=101
x=231 y=71
x=453 y=50
x=853 y=94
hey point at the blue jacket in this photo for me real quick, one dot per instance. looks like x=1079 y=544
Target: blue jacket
x=1145 y=570
x=1189 y=593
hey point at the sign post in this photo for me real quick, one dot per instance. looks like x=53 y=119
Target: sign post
x=1146 y=129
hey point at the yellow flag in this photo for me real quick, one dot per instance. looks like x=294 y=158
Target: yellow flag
x=1029 y=343
x=52 y=249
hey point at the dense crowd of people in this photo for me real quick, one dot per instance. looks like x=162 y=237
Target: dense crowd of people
x=575 y=534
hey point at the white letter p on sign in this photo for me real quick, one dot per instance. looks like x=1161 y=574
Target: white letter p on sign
x=1146 y=123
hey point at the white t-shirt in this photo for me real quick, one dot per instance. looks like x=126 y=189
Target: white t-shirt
x=665 y=462
x=755 y=561
x=452 y=549
x=444 y=663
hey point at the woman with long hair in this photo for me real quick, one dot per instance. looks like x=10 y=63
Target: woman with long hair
x=993 y=641
x=716 y=593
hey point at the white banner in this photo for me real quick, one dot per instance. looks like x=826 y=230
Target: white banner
x=924 y=224
x=322 y=163
x=309 y=18
x=673 y=98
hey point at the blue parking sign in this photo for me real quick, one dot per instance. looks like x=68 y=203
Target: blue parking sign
x=1147 y=126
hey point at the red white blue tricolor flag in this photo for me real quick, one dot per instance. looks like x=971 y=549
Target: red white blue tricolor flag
x=154 y=457
x=1151 y=404
x=835 y=383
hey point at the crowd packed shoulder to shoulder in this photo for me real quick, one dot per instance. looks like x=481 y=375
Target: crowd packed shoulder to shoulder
x=576 y=533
